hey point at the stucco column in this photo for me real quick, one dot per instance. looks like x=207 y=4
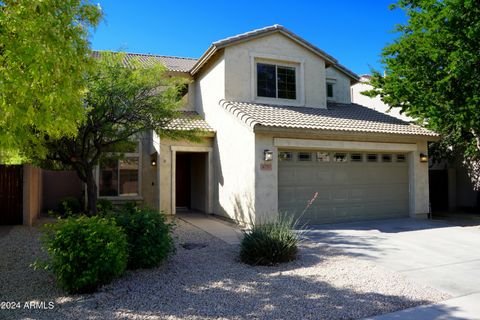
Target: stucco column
x=418 y=179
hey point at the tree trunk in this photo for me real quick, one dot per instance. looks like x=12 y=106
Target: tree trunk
x=91 y=193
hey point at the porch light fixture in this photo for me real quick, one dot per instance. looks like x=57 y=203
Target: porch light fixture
x=423 y=157
x=267 y=155
x=153 y=160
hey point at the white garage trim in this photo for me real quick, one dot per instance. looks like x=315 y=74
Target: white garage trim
x=343 y=145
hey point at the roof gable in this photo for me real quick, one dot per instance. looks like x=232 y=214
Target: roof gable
x=329 y=60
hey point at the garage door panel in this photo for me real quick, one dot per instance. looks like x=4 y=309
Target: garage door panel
x=347 y=191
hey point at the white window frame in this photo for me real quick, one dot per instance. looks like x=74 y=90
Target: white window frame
x=282 y=61
x=140 y=167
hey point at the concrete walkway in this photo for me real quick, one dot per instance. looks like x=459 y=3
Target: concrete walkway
x=221 y=229
x=461 y=308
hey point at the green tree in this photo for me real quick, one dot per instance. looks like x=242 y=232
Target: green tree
x=44 y=55
x=122 y=103
x=432 y=71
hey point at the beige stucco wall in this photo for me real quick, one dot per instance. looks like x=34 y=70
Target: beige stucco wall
x=149 y=174
x=233 y=147
x=32 y=194
x=267 y=181
x=341 y=87
x=165 y=164
x=239 y=72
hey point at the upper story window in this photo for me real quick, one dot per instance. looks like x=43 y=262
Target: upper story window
x=330 y=90
x=276 y=81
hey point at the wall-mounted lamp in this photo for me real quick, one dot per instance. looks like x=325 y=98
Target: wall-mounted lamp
x=153 y=160
x=267 y=155
x=423 y=157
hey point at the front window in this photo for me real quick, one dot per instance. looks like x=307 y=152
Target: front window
x=275 y=81
x=120 y=177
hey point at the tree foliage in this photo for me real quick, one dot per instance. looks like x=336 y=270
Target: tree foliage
x=432 y=70
x=122 y=103
x=44 y=55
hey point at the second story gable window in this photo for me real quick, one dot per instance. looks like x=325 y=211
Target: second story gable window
x=330 y=91
x=276 y=81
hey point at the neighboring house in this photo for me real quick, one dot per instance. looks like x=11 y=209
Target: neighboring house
x=374 y=103
x=281 y=130
x=451 y=188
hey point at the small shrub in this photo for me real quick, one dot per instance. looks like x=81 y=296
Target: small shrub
x=68 y=206
x=104 y=207
x=148 y=235
x=85 y=252
x=270 y=243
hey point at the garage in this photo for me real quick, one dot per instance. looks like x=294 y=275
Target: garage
x=350 y=185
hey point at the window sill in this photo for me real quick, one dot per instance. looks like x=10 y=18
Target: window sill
x=280 y=102
x=122 y=198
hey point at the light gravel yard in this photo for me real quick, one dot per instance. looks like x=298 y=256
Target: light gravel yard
x=210 y=283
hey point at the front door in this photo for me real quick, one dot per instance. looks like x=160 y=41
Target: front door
x=182 y=180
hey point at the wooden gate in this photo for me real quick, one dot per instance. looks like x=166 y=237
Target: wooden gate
x=11 y=191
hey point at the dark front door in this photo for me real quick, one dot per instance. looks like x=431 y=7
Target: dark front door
x=11 y=190
x=182 y=180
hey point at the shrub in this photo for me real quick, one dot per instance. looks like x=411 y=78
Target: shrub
x=104 y=207
x=270 y=243
x=148 y=235
x=85 y=252
x=68 y=206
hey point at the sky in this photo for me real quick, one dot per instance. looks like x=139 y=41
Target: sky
x=352 y=31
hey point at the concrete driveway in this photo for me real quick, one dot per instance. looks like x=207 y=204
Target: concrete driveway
x=434 y=253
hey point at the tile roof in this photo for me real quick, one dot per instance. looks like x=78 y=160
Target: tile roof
x=171 y=63
x=336 y=117
x=190 y=120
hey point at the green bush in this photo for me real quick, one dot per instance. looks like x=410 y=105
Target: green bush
x=148 y=235
x=69 y=205
x=85 y=252
x=104 y=207
x=270 y=243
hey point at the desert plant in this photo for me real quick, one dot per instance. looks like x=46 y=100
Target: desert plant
x=68 y=206
x=148 y=235
x=85 y=252
x=270 y=242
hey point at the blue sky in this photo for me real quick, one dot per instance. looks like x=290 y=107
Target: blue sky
x=354 y=32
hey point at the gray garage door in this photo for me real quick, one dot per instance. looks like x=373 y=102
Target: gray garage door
x=350 y=186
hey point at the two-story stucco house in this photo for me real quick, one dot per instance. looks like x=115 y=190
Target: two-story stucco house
x=281 y=131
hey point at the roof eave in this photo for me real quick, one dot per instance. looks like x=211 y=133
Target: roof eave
x=260 y=128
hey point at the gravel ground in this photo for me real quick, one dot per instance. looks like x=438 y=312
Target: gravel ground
x=210 y=283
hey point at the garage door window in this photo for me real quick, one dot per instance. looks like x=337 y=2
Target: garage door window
x=401 y=158
x=323 y=157
x=304 y=156
x=386 y=158
x=285 y=156
x=372 y=157
x=340 y=157
x=356 y=157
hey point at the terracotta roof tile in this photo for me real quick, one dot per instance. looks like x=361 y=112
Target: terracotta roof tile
x=190 y=120
x=336 y=117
